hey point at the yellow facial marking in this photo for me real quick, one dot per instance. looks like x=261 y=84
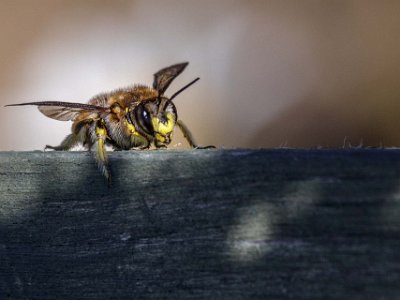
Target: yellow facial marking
x=161 y=128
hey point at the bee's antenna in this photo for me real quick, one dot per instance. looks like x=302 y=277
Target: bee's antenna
x=182 y=89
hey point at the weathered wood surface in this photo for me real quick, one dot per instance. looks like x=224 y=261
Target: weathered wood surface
x=204 y=224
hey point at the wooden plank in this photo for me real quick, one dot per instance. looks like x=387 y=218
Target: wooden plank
x=203 y=224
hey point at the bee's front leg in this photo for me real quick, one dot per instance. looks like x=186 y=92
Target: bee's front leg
x=189 y=137
x=139 y=142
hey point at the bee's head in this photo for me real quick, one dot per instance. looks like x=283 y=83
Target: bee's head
x=157 y=118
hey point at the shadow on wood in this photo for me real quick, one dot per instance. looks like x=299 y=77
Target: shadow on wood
x=217 y=224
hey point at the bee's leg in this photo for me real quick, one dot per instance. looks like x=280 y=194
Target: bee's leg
x=98 y=147
x=68 y=142
x=140 y=143
x=186 y=133
x=189 y=137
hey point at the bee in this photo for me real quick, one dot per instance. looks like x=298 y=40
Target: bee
x=136 y=117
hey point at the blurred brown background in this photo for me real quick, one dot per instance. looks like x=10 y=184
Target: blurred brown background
x=273 y=73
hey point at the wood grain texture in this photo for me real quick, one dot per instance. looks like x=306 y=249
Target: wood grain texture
x=203 y=224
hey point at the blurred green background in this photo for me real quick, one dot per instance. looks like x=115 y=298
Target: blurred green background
x=273 y=73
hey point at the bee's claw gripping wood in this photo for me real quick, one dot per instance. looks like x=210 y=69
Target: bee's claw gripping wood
x=201 y=224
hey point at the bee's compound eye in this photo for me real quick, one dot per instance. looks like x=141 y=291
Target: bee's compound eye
x=146 y=119
x=143 y=116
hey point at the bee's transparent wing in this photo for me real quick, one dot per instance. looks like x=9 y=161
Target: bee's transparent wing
x=164 y=77
x=59 y=112
x=62 y=111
